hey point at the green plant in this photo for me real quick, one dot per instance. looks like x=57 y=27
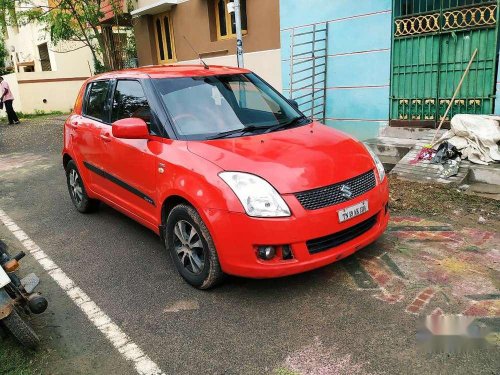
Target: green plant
x=15 y=360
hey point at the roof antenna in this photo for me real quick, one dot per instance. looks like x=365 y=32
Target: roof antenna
x=199 y=54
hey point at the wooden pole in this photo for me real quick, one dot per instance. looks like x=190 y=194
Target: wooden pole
x=454 y=95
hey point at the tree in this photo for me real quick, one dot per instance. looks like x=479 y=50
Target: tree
x=3 y=55
x=79 y=21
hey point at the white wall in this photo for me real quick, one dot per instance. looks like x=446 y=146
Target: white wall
x=60 y=95
x=266 y=64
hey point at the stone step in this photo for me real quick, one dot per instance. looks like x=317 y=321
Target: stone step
x=488 y=174
x=409 y=133
x=481 y=187
x=396 y=147
x=425 y=172
x=390 y=150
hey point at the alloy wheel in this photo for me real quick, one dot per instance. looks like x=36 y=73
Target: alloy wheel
x=75 y=186
x=189 y=247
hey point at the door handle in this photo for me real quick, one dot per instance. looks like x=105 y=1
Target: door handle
x=105 y=137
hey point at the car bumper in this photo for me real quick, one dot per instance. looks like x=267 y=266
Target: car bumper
x=237 y=236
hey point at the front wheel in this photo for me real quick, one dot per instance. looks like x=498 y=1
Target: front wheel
x=21 y=330
x=191 y=247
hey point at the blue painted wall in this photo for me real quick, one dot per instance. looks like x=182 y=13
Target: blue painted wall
x=358 y=63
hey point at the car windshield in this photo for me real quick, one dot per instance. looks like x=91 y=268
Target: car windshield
x=224 y=106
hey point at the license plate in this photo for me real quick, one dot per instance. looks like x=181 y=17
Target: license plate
x=353 y=211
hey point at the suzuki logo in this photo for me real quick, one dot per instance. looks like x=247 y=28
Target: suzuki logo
x=346 y=191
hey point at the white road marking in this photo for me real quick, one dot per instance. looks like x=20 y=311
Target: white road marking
x=119 y=339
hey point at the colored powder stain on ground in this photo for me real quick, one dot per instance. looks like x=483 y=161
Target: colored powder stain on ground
x=484 y=308
x=454 y=265
x=457 y=261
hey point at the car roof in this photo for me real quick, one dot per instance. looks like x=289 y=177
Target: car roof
x=171 y=71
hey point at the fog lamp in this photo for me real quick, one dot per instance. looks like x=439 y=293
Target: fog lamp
x=266 y=252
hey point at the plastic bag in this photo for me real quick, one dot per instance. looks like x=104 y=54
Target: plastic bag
x=446 y=151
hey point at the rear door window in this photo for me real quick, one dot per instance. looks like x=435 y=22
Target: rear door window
x=97 y=104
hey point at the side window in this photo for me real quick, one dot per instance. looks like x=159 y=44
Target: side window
x=129 y=101
x=96 y=100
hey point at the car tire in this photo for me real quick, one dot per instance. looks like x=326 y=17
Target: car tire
x=77 y=191
x=191 y=247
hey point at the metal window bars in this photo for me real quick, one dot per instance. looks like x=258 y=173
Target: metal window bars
x=308 y=69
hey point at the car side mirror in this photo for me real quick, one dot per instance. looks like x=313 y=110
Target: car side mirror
x=294 y=103
x=130 y=128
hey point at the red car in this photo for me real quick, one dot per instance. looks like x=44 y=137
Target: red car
x=226 y=170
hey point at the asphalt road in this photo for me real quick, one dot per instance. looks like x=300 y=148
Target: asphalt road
x=319 y=320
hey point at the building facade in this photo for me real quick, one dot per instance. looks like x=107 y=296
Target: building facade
x=362 y=65
x=45 y=77
x=167 y=31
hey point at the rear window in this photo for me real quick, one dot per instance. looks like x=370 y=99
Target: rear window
x=96 y=106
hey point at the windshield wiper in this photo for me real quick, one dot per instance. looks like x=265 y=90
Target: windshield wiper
x=241 y=131
x=296 y=121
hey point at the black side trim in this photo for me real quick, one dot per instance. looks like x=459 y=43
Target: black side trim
x=119 y=182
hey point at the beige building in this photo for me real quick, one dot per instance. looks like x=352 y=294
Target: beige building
x=45 y=77
x=162 y=27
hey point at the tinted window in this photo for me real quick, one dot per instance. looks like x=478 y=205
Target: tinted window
x=96 y=100
x=129 y=101
x=202 y=107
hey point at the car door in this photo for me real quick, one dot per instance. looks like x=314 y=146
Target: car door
x=131 y=163
x=91 y=145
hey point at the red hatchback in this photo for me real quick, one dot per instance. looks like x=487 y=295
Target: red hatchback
x=227 y=171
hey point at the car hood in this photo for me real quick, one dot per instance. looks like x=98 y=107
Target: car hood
x=292 y=160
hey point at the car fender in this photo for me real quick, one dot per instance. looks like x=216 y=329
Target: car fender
x=206 y=197
x=195 y=179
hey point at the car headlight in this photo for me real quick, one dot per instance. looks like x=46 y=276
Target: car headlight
x=258 y=197
x=378 y=164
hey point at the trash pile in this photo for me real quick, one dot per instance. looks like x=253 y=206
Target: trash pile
x=472 y=137
x=476 y=137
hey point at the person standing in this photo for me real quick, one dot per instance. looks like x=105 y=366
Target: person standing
x=7 y=99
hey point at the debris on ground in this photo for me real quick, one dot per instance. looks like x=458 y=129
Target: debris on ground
x=425 y=153
x=475 y=136
x=449 y=157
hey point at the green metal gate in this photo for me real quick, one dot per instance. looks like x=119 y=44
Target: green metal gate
x=433 y=41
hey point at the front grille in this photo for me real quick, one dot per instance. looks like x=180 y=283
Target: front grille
x=330 y=195
x=332 y=240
